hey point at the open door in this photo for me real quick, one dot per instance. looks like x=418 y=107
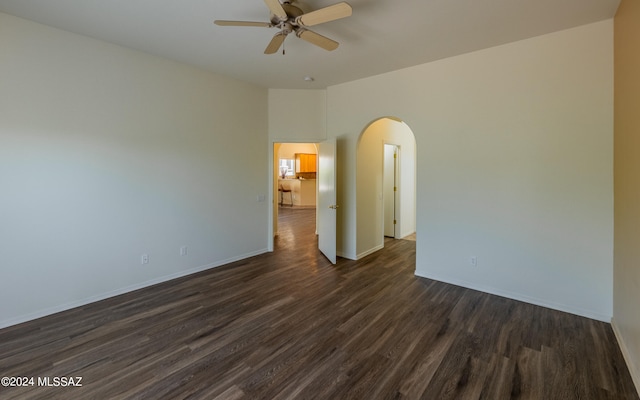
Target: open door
x=327 y=207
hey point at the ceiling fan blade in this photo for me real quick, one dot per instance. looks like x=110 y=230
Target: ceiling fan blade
x=331 y=13
x=242 y=23
x=317 y=39
x=275 y=43
x=276 y=9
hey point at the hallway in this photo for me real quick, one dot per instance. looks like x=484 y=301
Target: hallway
x=296 y=228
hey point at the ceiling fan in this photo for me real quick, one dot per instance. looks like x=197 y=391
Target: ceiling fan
x=291 y=19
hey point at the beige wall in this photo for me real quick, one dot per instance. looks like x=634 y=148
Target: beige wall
x=514 y=165
x=108 y=153
x=626 y=294
x=289 y=150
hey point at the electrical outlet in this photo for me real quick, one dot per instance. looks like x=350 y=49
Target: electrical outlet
x=144 y=259
x=183 y=250
x=473 y=261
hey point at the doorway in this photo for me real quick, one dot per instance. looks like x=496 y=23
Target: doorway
x=295 y=183
x=389 y=189
x=385 y=190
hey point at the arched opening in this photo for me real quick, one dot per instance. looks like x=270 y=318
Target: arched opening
x=377 y=185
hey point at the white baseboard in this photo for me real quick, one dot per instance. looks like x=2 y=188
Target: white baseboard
x=633 y=371
x=345 y=255
x=370 y=251
x=405 y=234
x=520 y=297
x=64 y=307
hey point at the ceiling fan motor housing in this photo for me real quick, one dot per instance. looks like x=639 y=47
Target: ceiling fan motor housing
x=292 y=13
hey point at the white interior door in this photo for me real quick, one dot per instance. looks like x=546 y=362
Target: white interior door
x=389 y=190
x=327 y=207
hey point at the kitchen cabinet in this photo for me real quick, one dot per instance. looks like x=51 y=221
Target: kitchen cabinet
x=305 y=162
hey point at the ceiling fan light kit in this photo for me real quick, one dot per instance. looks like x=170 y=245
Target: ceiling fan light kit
x=291 y=19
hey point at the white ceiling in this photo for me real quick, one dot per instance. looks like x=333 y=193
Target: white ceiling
x=380 y=36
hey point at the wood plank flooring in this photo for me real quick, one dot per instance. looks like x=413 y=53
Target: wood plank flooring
x=288 y=325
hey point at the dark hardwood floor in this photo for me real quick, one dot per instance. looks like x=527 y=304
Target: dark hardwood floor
x=290 y=325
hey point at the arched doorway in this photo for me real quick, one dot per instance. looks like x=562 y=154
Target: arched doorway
x=371 y=185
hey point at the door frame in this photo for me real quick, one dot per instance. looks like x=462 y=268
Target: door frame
x=397 y=212
x=272 y=211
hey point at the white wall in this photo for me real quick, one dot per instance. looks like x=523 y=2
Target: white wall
x=626 y=317
x=514 y=159
x=369 y=183
x=297 y=115
x=106 y=154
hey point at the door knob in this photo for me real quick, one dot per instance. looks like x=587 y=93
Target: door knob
x=333 y=207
